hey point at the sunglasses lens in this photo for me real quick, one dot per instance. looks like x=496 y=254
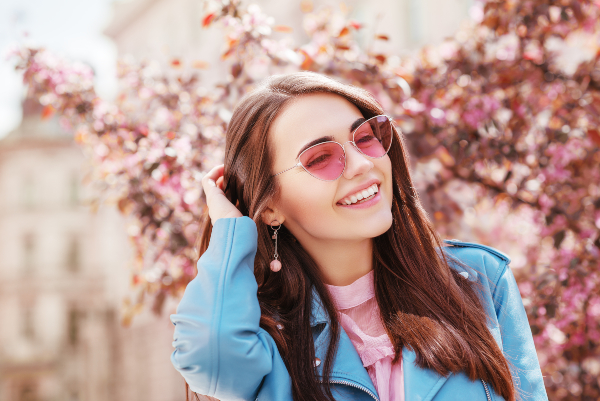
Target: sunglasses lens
x=374 y=137
x=325 y=161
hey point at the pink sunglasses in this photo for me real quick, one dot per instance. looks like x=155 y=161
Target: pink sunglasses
x=327 y=160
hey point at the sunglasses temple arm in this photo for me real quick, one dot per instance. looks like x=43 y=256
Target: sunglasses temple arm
x=294 y=166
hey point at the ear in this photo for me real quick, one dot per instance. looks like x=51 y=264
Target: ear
x=270 y=215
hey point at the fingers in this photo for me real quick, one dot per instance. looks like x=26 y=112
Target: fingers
x=210 y=179
x=219 y=182
x=216 y=201
x=215 y=173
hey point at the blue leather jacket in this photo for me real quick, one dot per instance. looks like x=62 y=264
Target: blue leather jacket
x=221 y=351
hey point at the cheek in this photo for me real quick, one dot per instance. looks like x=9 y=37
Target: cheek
x=385 y=166
x=306 y=203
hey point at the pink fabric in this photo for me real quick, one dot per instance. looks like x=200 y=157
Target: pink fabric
x=358 y=313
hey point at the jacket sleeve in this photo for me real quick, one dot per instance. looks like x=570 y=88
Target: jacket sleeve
x=220 y=349
x=517 y=340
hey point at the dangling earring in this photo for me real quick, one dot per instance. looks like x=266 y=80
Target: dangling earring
x=275 y=263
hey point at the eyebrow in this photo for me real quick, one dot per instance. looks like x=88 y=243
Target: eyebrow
x=329 y=138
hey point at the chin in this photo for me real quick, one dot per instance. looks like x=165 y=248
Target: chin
x=379 y=226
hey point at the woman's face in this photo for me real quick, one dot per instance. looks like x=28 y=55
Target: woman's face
x=311 y=207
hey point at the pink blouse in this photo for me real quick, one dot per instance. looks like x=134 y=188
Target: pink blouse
x=358 y=313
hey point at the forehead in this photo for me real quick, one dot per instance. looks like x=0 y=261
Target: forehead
x=310 y=117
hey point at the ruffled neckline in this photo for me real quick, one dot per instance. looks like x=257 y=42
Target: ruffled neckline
x=351 y=295
x=355 y=301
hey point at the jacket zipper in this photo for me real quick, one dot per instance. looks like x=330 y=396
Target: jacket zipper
x=487 y=392
x=355 y=385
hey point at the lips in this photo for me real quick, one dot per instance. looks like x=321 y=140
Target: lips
x=358 y=189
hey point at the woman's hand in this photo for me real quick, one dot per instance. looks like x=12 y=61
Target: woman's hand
x=216 y=201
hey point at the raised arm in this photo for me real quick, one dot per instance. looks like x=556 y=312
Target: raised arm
x=219 y=347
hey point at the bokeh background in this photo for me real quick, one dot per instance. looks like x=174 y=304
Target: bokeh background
x=111 y=112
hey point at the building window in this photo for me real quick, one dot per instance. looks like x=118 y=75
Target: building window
x=73 y=256
x=27 y=190
x=27 y=392
x=28 y=326
x=74 y=190
x=415 y=21
x=73 y=329
x=28 y=253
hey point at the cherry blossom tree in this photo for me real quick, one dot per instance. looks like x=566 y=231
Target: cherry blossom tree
x=501 y=121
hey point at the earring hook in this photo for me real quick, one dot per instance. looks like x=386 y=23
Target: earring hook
x=278 y=223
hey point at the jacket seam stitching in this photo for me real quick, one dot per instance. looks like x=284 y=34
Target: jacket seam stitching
x=434 y=390
x=499 y=274
x=216 y=350
x=487 y=248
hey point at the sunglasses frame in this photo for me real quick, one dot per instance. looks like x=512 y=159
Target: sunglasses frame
x=299 y=163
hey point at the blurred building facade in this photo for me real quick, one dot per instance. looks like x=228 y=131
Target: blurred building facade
x=165 y=29
x=63 y=276
x=64 y=270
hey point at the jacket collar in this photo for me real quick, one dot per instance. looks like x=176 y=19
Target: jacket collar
x=318 y=313
x=347 y=365
x=419 y=384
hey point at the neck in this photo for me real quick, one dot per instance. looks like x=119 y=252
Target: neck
x=342 y=262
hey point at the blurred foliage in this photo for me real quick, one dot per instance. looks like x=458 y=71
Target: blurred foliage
x=502 y=122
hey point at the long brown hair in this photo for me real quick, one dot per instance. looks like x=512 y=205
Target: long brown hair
x=424 y=304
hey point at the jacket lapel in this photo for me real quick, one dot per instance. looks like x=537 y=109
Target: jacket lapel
x=317 y=314
x=419 y=384
x=347 y=365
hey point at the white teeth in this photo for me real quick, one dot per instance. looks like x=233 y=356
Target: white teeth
x=365 y=193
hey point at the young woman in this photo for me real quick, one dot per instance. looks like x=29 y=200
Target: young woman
x=321 y=277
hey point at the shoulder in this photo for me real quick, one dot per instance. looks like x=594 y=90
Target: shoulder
x=483 y=258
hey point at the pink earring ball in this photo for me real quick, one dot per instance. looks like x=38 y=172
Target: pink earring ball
x=275 y=265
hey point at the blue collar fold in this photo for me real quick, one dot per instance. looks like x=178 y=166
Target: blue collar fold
x=419 y=384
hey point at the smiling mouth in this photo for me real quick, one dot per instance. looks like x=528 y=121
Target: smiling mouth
x=361 y=196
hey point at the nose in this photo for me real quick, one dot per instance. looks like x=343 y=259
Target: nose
x=356 y=162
